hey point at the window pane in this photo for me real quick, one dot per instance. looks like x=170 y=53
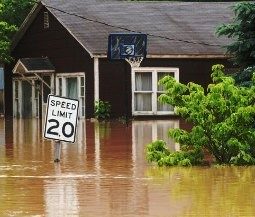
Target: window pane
x=82 y=91
x=60 y=86
x=82 y=101
x=82 y=81
x=37 y=88
x=143 y=102
x=162 y=75
x=164 y=107
x=143 y=81
x=83 y=106
x=71 y=90
x=16 y=89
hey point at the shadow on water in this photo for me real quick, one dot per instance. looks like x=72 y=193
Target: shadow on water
x=105 y=173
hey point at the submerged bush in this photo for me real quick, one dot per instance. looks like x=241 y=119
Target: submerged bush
x=158 y=152
x=102 y=109
x=222 y=117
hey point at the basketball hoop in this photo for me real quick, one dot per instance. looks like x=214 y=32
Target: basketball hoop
x=134 y=62
x=129 y=46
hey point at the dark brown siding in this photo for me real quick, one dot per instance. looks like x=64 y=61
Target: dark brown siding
x=65 y=53
x=115 y=86
x=113 y=74
x=190 y=70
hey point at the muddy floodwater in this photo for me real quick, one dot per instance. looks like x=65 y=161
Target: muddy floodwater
x=105 y=173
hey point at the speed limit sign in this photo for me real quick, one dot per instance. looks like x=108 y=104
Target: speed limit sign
x=61 y=118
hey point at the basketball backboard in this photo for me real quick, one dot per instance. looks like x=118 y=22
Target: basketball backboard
x=127 y=45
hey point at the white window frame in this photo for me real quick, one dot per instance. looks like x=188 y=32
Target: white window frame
x=154 y=71
x=17 y=99
x=73 y=75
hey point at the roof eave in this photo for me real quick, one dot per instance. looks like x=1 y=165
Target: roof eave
x=189 y=56
x=178 y=56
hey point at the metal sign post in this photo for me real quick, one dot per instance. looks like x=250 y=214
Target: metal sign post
x=61 y=121
x=57 y=151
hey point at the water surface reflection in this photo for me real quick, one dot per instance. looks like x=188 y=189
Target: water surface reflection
x=105 y=173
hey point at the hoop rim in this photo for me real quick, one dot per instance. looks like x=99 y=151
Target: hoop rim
x=134 y=62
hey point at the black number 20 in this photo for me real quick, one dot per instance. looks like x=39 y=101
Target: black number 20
x=56 y=125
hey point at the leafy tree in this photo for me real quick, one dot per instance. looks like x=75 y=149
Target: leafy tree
x=6 y=32
x=222 y=117
x=242 y=31
x=12 y=14
x=244 y=77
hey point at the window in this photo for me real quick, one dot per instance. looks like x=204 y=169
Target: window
x=72 y=85
x=146 y=90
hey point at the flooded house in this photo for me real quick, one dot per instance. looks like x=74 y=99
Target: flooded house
x=61 y=48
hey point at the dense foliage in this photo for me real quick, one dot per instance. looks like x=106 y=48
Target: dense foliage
x=222 y=117
x=12 y=14
x=242 y=49
x=244 y=77
x=242 y=31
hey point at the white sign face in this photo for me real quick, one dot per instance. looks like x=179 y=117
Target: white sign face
x=61 y=118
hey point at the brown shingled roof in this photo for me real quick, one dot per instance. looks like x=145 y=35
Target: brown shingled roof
x=191 y=25
x=37 y=64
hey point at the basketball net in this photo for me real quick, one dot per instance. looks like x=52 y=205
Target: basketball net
x=134 y=61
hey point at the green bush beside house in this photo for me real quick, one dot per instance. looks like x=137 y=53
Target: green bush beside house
x=222 y=117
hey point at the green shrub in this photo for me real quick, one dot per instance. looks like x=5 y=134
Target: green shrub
x=102 y=110
x=223 y=119
x=158 y=152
